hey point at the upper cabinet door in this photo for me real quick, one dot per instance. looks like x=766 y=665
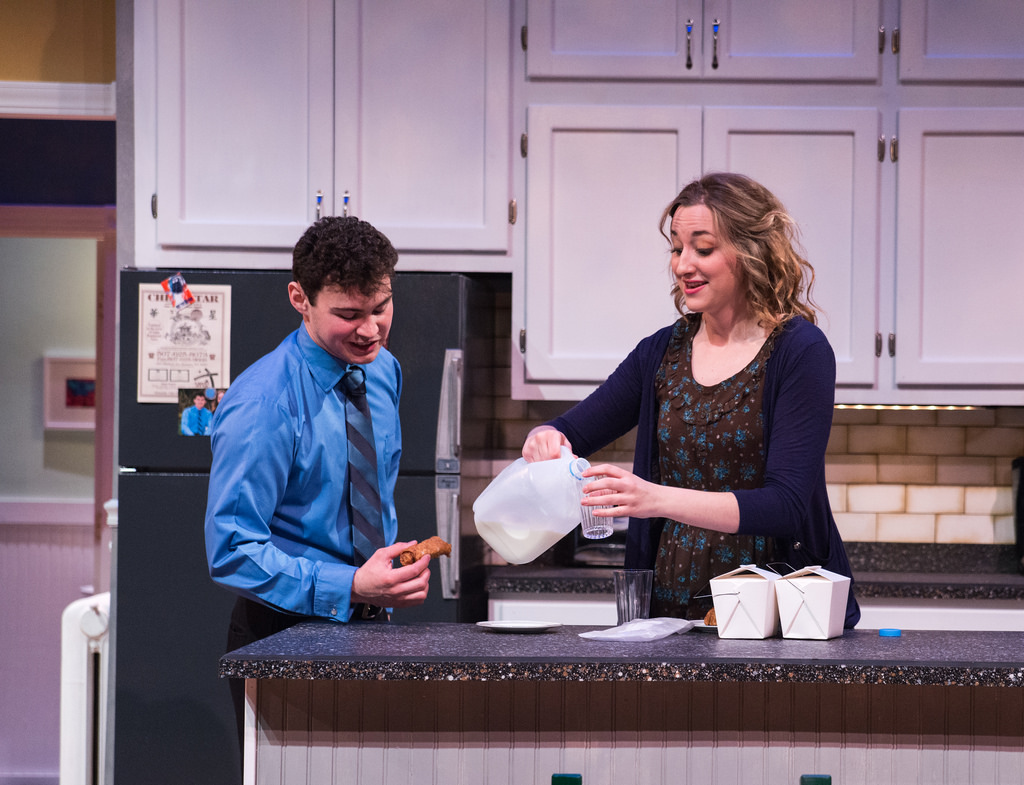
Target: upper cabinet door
x=244 y=120
x=422 y=120
x=805 y=40
x=949 y=40
x=822 y=164
x=597 y=270
x=960 y=241
x=719 y=39
x=613 y=39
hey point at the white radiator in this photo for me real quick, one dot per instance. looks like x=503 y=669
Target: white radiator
x=83 y=690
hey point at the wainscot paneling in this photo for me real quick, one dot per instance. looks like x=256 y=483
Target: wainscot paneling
x=629 y=733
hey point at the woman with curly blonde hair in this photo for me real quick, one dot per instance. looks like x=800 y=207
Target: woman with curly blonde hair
x=732 y=404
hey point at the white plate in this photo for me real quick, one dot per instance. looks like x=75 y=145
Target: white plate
x=518 y=626
x=700 y=626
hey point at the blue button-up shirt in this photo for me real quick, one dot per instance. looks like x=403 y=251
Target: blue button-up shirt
x=195 y=422
x=277 y=521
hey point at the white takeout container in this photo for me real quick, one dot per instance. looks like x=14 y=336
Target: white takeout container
x=745 y=605
x=812 y=603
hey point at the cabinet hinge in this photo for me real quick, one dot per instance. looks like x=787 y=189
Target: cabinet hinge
x=892 y=344
x=513 y=211
x=152 y=205
x=895 y=40
x=524 y=144
x=878 y=344
x=522 y=37
x=522 y=341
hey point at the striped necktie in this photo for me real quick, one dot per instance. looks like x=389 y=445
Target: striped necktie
x=364 y=493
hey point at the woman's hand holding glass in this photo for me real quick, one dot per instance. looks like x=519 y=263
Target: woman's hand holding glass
x=618 y=493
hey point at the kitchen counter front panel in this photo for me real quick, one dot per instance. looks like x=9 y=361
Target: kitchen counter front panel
x=466 y=652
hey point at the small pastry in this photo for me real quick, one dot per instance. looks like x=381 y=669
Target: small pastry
x=433 y=546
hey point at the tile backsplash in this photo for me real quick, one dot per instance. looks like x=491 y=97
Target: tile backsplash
x=899 y=476
x=924 y=476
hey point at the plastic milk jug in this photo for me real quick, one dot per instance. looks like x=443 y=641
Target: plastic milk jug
x=529 y=507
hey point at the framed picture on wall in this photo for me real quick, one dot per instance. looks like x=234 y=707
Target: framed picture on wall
x=69 y=393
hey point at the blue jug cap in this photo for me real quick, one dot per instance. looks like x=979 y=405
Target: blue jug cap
x=578 y=466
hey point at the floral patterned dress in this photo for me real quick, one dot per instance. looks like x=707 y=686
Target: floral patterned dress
x=710 y=439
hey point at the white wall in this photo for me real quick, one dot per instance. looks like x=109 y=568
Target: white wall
x=47 y=304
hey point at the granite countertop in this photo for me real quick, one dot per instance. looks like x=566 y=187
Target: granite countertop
x=940 y=586
x=466 y=652
x=881 y=570
x=529 y=579
x=897 y=585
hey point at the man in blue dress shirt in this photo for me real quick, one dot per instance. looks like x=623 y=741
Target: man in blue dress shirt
x=278 y=523
x=195 y=420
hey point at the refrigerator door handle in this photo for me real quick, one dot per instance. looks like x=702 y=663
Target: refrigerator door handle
x=446 y=502
x=449 y=414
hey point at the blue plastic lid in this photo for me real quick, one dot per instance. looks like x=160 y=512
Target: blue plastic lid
x=578 y=466
x=890 y=632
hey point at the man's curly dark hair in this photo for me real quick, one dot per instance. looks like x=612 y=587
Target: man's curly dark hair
x=343 y=251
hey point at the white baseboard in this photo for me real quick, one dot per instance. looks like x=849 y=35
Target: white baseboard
x=41 y=778
x=58 y=99
x=64 y=512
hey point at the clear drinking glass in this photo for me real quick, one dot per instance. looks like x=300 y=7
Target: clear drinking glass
x=632 y=593
x=594 y=528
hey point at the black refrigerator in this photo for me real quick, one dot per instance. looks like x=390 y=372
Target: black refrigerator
x=172 y=714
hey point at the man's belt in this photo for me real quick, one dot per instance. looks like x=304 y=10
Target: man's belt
x=365 y=612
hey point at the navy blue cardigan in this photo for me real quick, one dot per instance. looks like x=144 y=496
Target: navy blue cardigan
x=792 y=506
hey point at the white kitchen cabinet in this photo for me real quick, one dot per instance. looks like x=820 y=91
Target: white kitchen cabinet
x=888 y=167
x=594 y=286
x=422 y=120
x=931 y=319
x=949 y=40
x=266 y=116
x=959 y=250
x=598 y=277
x=713 y=39
x=822 y=163
x=244 y=120
x=959 y=240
